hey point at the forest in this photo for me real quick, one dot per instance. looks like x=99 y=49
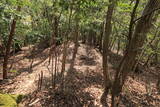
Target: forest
x=79 y=53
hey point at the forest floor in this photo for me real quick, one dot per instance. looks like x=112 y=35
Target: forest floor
x=83 y=80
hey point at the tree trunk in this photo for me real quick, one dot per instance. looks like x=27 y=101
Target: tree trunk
x=101 y=37
x=94 y=39
x=54 y=51
x=90 y=38
x=65 y=46
x=107 y=32
x=134 y=47
x=76 y=44
x=158 y=84
x=8 y=46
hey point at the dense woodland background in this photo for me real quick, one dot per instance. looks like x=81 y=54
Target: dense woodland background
x=80 y=53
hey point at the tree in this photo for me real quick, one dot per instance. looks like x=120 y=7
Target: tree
x=107 y=33
x=139 y=36
x=8 y=46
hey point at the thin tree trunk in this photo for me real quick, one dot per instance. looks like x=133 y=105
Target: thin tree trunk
x=107 y=33
x=65 y=46
x=101 y=37
x=158 y=84
x=55 y=50
x=76 y=43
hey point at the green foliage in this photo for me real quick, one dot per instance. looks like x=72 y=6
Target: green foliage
x=8 y=100
x=36 y=19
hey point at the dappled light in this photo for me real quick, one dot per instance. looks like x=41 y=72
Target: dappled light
x=79 y=53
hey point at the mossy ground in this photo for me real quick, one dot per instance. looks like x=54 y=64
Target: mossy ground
x=8 y=100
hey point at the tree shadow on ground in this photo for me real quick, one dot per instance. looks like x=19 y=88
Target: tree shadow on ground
x=24 y=67
x=85 y=60
x=74 y=92
x=141 y=99
x=76 y=82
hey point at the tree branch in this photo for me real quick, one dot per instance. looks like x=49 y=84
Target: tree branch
x=146 y=14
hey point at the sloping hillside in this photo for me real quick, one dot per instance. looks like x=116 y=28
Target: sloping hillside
x=83 y=80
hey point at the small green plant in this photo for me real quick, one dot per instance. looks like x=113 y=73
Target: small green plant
x=13 y=71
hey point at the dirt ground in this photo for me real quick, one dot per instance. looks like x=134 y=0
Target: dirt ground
x=83 y=80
